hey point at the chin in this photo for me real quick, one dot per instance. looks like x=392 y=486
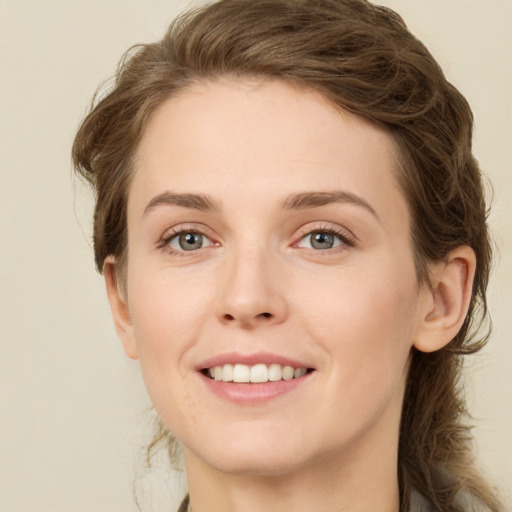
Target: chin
x=258 y=464
x=261 y=454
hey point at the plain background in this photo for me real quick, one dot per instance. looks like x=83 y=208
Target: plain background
x=73 y=411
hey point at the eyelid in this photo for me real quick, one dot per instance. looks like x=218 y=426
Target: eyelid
x=189 y=227
x=343 y=233
x=177 y=238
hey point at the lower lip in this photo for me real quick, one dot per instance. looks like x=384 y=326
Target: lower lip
x=247 y=393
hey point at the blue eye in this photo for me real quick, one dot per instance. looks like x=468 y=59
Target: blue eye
x=188 y=241
x=322 y=240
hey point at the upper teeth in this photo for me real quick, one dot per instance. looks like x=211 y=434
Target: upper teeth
x=258 y=373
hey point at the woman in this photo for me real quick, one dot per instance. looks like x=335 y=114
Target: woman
x=292 y=230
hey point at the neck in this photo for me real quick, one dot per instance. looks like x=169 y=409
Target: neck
x=361 y=481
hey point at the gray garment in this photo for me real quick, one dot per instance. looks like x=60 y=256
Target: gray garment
x=419 y=503
x=463 y=500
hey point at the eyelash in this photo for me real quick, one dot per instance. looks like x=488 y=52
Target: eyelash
x=173 y=233
x=345 y=238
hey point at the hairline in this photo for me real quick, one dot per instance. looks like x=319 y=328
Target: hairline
x=402 y=161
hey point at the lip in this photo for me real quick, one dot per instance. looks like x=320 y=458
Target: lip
x=253 y=394
x=250 y=360
x=248 y=393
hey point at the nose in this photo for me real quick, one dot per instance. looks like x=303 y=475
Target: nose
x=251 y=293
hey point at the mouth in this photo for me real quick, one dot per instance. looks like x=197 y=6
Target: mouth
x=254 y=374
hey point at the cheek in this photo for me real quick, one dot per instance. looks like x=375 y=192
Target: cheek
x=365 y=335
x=167 y=306
x=364 y=324
x=168 y=314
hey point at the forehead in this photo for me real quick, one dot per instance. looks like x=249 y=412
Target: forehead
x=273 y=137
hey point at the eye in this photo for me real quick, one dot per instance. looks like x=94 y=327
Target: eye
x=188 y=241
x=323 y=239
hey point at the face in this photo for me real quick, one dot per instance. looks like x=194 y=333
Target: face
x=268 y=241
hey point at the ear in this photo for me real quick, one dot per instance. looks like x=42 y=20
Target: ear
x=119 y=308
x=447 y=300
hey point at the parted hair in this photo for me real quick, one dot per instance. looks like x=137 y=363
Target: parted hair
x=362 y=58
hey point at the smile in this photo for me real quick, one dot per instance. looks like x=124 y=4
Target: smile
x=256 y=374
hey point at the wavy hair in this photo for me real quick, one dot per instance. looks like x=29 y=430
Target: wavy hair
x=362 y=58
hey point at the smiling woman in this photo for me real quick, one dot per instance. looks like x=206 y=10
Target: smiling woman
x=268 y=276
x=293 y=234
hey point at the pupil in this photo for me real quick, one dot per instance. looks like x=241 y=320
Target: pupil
x=190 y=241
x=322 y=241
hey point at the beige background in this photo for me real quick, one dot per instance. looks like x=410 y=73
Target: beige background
x=72 y=407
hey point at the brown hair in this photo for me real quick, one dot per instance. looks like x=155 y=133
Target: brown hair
x=362 y=58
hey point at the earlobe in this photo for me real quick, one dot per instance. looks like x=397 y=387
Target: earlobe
x=447 y=300
x=119 y=307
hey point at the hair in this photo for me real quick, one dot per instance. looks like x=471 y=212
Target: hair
x=363 y=59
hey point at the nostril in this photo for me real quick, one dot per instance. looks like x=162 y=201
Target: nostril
x=230 y=318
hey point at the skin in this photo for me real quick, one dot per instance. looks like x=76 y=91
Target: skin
x=352 y=312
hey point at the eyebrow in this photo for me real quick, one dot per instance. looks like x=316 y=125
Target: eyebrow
x=299 y=201
x=200 y=202
x=306 y=200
